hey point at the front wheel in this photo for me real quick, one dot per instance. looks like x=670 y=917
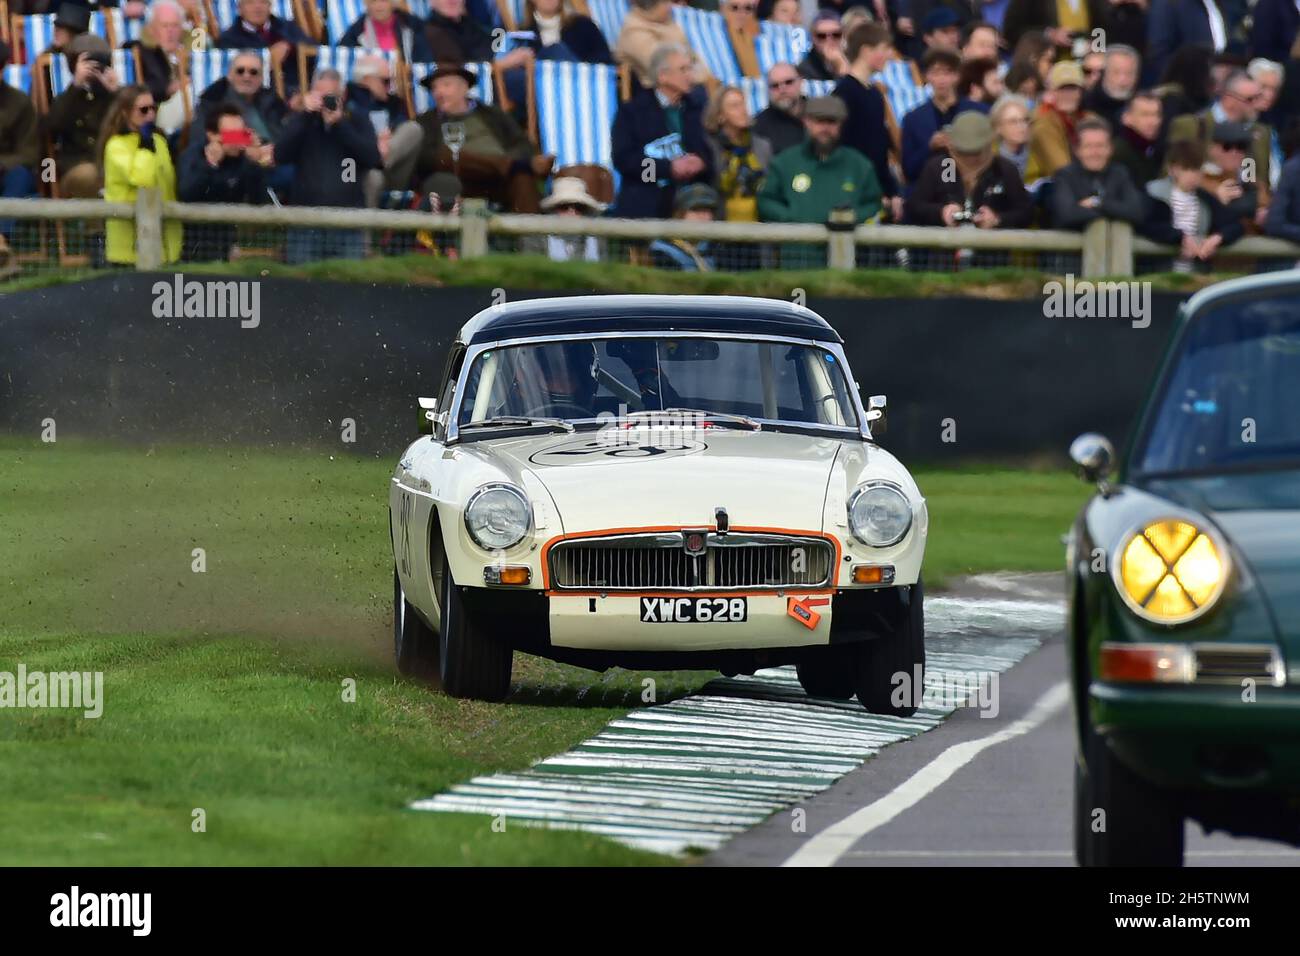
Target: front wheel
x=472 y=661
x=1119 y=818
x=828 y=672
x=891 y=668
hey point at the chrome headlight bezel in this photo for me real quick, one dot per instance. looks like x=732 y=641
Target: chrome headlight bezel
x=514 y=491
x=873 y=485
x=1116 y=569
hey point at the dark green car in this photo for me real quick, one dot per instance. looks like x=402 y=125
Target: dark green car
x=1184 y=583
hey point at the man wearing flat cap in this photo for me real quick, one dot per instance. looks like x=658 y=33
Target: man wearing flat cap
x=694 y=203
x=971 y=185
x=493 y=160
x=1229 y=174
x=819 y=180
x=76 y=114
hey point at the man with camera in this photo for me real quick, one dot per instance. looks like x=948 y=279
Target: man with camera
x=330 y=147
x=77 y=113
x=970 y=186
x=229 y=165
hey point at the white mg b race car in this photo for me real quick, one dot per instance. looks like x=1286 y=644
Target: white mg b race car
x=657 y=482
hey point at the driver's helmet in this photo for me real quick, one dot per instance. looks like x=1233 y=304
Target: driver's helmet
x=571 y=369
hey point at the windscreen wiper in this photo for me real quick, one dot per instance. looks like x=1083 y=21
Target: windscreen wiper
x=503 y=421
x=702 y=414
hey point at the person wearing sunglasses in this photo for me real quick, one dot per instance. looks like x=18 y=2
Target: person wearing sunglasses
x=244 y=86
x=134 y=156
x=1238 y=102
x=780 y=123
x=826 y=59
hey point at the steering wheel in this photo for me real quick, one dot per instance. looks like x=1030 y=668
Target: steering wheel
x=558 y=410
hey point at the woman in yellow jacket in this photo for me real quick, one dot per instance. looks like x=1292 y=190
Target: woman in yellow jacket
x=134 y=156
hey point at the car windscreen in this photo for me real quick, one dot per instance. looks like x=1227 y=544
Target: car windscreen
x=594 y=378
x=1232 y=397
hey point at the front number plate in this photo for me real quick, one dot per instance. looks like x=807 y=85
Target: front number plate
x=699 y=610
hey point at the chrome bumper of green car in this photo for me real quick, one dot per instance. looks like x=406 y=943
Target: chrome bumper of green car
x=1202 y=738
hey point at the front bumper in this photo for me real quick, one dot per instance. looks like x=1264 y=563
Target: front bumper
x=1202 y=738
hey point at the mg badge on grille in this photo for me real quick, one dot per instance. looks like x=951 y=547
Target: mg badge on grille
x=695 y=542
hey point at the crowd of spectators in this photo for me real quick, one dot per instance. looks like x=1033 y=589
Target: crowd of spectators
x=1177 y=116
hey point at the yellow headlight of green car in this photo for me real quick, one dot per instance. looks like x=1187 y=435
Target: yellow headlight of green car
x=1171 y=571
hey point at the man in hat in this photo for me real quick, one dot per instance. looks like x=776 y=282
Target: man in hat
x=693 y=203
x=923 y=127
x=1228 y=174
x=941 y=30
x=257 y=28
x=1237 y=103
x=71 y=20
x=658 y=141
x=1093 y=186
x=1052 y=128
x=971 y=185
x=569 y=198
x=818 y=178
x=494 y=158
x=77 y=113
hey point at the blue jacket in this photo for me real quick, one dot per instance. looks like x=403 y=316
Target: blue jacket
x=1276 y=25
x=1284 y=212
x=643 y=151
x=920 y=125
x=1177 y=23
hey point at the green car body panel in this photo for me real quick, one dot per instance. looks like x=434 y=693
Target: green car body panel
x=1206 y=741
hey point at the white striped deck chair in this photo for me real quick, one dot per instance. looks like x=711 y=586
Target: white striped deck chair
x=576 y=103
x=19 y=76
x=516 y=8
x=342 y=14
x=419 y=8
x=227 y=12
x=608 y=15
x=780 y=43
x=38 y=32
x=344 y=59
x=208 y=66
x=818 y=87
x=61 y=74
x=706 y=32
x=755 y=94
x=901 y=88
x=422 y=99
x=125 y=29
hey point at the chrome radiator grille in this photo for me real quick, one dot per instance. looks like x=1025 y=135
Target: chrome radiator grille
x=662 y=561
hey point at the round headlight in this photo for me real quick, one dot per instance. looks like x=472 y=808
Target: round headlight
x=497 y=517
x=1170 y=571
x=879 y=515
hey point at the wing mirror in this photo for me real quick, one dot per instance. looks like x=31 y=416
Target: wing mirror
x=876 y=406
x=1094 y=456
x=428 y=411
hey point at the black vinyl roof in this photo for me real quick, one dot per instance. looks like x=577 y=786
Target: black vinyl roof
x=580 y=315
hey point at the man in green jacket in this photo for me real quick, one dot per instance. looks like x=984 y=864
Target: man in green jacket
x=806 y=183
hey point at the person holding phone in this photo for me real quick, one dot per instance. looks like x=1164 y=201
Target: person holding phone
x=230 y=164
x=134 y=156
x=76 y=115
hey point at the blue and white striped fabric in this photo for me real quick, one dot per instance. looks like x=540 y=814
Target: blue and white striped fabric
x=61 y=75
x=706 y=32
x=756 y=91
x=227 y=12
x=516 y=8
x=819 y=87
x=344 y=58
x=342 y=14
x=576 y=103
x=419 y=8
x=608 y=15
x=780 y=43
x=38 y=32
x=208 y=66
x=423 y=99
x=900 y=87
x=19 y=76
x=125 y=29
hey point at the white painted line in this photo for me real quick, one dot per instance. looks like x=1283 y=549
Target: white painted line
x=826 y=847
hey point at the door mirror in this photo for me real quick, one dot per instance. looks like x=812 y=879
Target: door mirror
x=1094 y=456
x=428 y=409
x=876 y=420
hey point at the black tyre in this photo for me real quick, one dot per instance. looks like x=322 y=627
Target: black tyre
x=902 y=652
x=1139 y=825
x=415 y=646
x=828 y=673
x=472 y=661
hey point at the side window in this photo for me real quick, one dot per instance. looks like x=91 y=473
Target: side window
x=448 y=392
